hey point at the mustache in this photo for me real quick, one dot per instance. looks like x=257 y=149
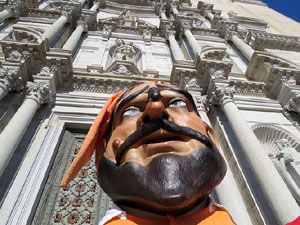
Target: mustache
x=150 y=127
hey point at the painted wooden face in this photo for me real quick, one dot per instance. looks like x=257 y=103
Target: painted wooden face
x=160 y=156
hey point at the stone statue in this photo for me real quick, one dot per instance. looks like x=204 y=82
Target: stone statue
x=124 y=51
x=289 y=166
x=155 y=158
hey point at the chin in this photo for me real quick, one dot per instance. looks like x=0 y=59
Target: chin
x=169 y=184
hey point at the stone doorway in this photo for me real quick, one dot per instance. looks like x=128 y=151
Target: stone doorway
x=82 y=201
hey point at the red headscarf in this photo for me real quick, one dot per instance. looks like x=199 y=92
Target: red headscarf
x=94 y=136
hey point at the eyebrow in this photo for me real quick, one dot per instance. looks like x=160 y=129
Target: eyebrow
x=130 y=97
x=180 y=91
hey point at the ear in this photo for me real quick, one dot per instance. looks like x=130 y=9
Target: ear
x=213 y=136
x=100 y=149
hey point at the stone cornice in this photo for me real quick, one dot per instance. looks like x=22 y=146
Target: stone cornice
x=255 y=2
x=248 y=88
x=261 y=40
x=37 y=13
x=107 y=83
x=197 y=74
x=273 y=71
x=262 y=62
x=126 y=23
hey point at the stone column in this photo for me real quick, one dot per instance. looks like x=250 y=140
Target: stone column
x=277 y=193
x=175 y=49
x=227 y=191
x=174 y=10
x=192 y=41
x=55 y=28
x=163 y=15
x=4 y=14
x=210 y=16
x=75 y=36
x=242 y=46
x=9 y=81
x=37 y=93
x=82 y=2
x=96 y=6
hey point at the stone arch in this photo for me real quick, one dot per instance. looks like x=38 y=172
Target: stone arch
x=284 y=151
x=268 y=134
x=26 y=34
x=213 y=53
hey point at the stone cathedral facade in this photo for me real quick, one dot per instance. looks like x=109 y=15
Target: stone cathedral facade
x=61 y=60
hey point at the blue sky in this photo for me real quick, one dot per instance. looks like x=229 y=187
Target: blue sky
x=290 y=8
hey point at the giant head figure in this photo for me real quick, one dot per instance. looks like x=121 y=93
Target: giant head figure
x=153 y=151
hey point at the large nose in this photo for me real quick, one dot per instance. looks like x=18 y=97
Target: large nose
x=154 y=110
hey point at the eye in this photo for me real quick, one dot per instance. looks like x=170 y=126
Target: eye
x=177 y=103
x=132 y=111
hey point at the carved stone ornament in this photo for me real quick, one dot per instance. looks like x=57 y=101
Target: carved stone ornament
x=13 y=9
x=222 y=95
x=289 y=80
x=107 y=30
x=46 y=72
x=15 y=56
x=293 y=104
x=169 y=31
x=201 y=102
x=283 y=150
x=122 y=70
x=11 y=80
x=217 y=73
x=39 y=92
x=192 y=84
x=186 y=24
x=126 y=15
x=147 y=35
x=284 y=144
x=288 y=165
x=227 y=29
x=125 y=51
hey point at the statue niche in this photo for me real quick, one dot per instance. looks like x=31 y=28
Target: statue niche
x=126 y=56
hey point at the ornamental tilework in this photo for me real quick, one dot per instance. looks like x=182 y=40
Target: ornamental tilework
x=82 y=201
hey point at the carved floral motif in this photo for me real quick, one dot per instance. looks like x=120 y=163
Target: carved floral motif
x=39 y=92
x=10 y=80
x=15 y=56
x=222 y=95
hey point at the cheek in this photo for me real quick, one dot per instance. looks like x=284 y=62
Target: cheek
x=119 y=135
x=193 y=121
x=123 y=130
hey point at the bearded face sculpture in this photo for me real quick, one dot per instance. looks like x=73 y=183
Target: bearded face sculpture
x=154 y=153
x=159 y=156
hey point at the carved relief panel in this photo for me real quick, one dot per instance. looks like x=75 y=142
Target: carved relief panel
x=82 y=201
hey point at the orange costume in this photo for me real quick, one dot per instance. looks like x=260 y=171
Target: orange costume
x=212 y=215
